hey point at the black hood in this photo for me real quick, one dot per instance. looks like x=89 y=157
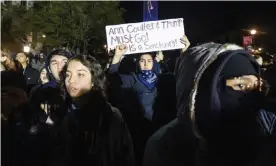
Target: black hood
x=189 y=66
x=214 y=101
x=211 y=119
x=49 y=57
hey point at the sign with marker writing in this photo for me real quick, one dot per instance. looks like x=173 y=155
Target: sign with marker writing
x=146 y=36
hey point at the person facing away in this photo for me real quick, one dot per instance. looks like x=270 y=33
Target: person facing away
x=220 y=118
x=99 y=134
x=31 y=74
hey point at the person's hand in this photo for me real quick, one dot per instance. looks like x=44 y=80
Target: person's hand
x=184 y=40
x=159 y=56
x=120 y=50
x=3 y=59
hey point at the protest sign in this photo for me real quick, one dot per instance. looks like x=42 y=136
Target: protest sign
x=146 y=36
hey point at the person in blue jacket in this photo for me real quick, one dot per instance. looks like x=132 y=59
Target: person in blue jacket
x=144 y=81
x=137 y=94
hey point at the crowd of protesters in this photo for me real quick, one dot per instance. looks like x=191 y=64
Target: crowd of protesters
x=213 y=104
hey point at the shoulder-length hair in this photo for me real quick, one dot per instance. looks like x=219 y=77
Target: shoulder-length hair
x=98 y=75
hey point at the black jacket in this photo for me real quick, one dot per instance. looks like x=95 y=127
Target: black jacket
x=99 y=136
x=179 y=142
x=175 y=143
x=31 y=75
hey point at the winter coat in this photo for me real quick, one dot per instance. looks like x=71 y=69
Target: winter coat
x=130 y=81
x=177 y=143
x=31 y=75
x=98 y=136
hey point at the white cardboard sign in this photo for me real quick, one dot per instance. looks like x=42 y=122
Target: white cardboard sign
x=146 y=36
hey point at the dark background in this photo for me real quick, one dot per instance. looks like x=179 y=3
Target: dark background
x=216 y=21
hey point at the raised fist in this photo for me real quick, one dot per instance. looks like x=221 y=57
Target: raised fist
x=120 y=50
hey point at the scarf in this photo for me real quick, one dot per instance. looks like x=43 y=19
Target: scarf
x=148 y=78
x=88 y=110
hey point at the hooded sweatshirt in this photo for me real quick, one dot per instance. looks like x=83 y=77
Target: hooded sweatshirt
x=175 y=143
x=53 y=82
x=226 y=119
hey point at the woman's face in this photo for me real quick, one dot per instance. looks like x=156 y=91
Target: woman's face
x=245 y=83
x=146 y=62
x=43 y=76
x=78 y=79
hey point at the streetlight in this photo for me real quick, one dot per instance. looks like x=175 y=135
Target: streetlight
x=27 y=49
x=253 y=32
x=260 y=49
x=105 y=46
x=43 y=36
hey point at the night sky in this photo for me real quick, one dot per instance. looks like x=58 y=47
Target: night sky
x=206 y=21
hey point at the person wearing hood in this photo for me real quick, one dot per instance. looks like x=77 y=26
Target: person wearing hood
x=220 y=118
x=47 y=111
x=54 y=64
x=99 y=135
x=227 y=112
x=42 y=96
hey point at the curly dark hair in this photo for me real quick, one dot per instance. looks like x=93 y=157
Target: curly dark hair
x=99 y=79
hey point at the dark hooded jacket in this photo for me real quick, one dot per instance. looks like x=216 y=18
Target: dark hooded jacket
x=177 y=143
x=47 y=142
x=52 y=81
x=98 y=134
x=145 y=95
x=31 y=75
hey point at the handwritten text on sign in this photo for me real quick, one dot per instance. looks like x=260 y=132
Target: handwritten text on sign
x=146 y=36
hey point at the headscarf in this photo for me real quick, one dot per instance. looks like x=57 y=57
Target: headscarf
x=222 y=112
